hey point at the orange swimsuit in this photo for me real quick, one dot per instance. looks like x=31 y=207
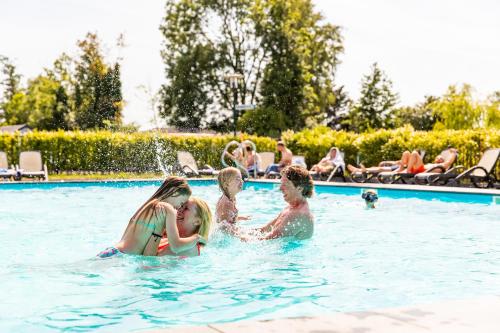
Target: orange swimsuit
x=417 y=170
x=165 y=245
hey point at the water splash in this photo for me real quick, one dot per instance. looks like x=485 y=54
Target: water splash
x=160 y=151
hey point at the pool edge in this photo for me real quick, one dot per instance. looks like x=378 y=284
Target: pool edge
x=459 y=316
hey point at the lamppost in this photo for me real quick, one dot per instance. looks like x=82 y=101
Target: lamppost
x=234 y=80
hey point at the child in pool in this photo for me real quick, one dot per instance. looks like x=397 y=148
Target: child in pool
x=226 y=213
x=370 y=197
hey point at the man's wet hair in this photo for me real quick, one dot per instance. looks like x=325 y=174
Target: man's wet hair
x=299 y=176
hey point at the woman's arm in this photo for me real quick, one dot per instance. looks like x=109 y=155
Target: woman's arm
x=177 y=244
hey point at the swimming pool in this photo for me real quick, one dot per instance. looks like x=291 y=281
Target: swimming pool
x=411 y=249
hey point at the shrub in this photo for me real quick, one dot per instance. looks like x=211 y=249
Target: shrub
x=139 y=152
x=115 y=151
x=371 y=148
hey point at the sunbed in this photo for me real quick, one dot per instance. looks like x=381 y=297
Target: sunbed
x=187 y=165
x=409 y=178
x=437 y=175
x=31 y=166
x=483 y=174
x=5 y=171
x=337 y=172
x=266 y=159
x=367 y=176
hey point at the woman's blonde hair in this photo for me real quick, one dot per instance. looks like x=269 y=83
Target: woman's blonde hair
x=204 y=213
x=225 y=175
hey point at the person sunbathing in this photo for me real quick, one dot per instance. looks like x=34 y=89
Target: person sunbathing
x=384 y=166
x=329 y=162
x=416 y=164
x=157 y=215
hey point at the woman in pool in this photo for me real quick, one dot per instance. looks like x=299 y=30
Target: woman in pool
x=230 y=184
x=147 y=226
x=194 y=217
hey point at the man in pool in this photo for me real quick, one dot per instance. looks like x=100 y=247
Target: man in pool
x=296 y=220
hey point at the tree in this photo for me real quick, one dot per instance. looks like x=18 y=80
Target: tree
x=204 y=40
x=421 y=116
x=286 y=54
x=456 y=109
x=337 y=113
x=46 y=104
x=97 y=87
x=377 y=100
x=492 y=111
x=11 y=80
x=13 y=97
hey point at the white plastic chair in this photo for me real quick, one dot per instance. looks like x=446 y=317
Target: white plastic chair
x=31 y=166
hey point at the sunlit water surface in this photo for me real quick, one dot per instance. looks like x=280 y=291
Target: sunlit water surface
x=404 y=252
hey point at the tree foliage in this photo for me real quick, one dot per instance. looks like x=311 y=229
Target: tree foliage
x=80 y=93
x=377 y=100
x=285 y=53
x=421 y=116
x=97 y=87
x=456 y=109
x=492 y=111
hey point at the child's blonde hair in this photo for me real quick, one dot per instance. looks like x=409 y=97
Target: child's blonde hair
x=204 y=214
x=225 y=176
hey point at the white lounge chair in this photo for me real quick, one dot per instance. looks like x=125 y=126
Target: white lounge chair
x=189 y=167
x=5 y=171
x=31 y=166
x=266 y=159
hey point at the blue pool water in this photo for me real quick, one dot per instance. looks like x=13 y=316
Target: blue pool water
x=411 y=249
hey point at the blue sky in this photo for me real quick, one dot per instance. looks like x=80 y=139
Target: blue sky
x=423 y=46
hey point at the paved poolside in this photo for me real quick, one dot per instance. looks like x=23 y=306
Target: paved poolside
x=472 y=316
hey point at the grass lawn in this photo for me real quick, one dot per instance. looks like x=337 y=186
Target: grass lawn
x=104 y=176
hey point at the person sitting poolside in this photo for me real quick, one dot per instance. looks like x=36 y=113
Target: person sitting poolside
x=286 y=159
x=239 y=158
x=252 y=162
x=296 y=220
x=329 y=162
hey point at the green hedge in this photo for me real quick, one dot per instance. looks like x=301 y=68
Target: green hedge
x=111 y=151
x=371 y=148
x=137 y=152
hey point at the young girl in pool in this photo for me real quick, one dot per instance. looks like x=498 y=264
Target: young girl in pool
x=226 y=213
x=155 y=217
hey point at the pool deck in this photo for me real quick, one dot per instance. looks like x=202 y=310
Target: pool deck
x=478 y=315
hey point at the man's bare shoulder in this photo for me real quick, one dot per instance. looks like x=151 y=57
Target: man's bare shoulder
x=298 y=215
